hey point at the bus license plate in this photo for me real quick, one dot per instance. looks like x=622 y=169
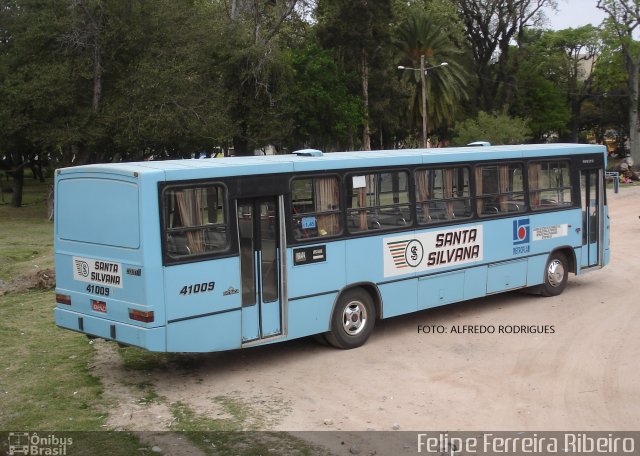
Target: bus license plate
x=99 y=306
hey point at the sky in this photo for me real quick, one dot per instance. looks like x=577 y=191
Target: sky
x=574 y=13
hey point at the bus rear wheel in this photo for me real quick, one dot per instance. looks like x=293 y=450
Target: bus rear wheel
x=352 y=320
x=556 y=273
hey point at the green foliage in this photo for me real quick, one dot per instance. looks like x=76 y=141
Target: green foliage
x=417 y=35
x=495 y=128
x=441 y=12
x=325 y=114
x=544 y=105
x=358 y=33
x=26 y=239
x=98 y=81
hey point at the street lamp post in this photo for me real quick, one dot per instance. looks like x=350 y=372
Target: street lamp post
x=423 y=82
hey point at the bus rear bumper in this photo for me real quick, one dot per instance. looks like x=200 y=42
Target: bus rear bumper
x=153 y=339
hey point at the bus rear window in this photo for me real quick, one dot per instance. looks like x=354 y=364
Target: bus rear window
x=98 y=211
x=195 y=221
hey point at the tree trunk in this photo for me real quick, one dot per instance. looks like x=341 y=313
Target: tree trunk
x=575 y=117
x=634 y=128
x=97 y=78
x=241 y=146
x=18 y=185
x=366 y=134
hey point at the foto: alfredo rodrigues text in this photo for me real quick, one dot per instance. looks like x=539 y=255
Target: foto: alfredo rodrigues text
x=486 y=329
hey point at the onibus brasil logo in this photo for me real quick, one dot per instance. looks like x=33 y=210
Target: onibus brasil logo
x=28 y=444
x=406 y=253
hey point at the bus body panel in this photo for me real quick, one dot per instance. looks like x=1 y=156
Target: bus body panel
x=441 y=289
x=213 y=286
x=197 y=303
x=315 y=275
x=475 y=282
x=221 y=331
x=399 y=298
x=311 y=277
x=311 y=315
x=153 y=339
x=101 y=261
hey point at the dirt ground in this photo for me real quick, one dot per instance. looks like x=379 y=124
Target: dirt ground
x=583 y=376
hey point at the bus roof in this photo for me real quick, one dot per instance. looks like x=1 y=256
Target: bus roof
x=271 y=164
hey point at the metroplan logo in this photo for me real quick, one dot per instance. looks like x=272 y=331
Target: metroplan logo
x=521 y=235
x=521 y=231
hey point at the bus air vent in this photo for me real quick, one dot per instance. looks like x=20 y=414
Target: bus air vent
x=308 y=153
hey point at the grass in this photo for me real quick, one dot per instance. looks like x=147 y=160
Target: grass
x=45 y=380
x=46 y=384
x=26 y=236
x=221 y=437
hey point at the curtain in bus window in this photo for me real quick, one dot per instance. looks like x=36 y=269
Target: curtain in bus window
x=368 y=191
x=503 y=179
x=212 y=204
x=422 y=189
x=479 y=190
x=534 y=183
x=448 y=192
x=327 y=195
x=564 y=184
x=191 y=215
x=549 y=184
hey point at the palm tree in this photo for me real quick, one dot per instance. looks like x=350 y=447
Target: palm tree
x=417 y=35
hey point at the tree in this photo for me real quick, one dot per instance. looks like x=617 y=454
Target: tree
x=255 y=70
x=579 y=48
x=418 y=36
x=35 y=85
x=359 y=32
x=555 y=79
x=325 y=115
x=495 y=128
x=623 y=20
x=491 y=26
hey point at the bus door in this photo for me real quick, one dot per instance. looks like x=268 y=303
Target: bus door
x=261 y=247
x=592 y=196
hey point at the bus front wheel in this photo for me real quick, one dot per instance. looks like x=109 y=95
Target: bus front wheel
x=352 y=320
x=556 y=273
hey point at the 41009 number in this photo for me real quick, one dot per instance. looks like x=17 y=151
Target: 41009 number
x=98 y=290
x=203 y=287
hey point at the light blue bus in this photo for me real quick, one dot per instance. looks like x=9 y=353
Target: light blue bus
x=220 y=254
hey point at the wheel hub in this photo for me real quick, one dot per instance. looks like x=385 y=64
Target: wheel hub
x=354 y=318
x=555 y=273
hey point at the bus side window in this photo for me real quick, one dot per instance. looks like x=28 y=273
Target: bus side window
x=500 y=189
x=549 y=184
x=315 y=203
x=195 y=220
x=378 y=201
x=442 y=194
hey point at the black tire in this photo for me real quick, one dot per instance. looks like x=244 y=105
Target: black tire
x=353 y=319
x=556 y=273
x=320 y=339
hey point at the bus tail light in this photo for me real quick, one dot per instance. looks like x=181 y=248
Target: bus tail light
x=139 y=315
x=63 y=299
